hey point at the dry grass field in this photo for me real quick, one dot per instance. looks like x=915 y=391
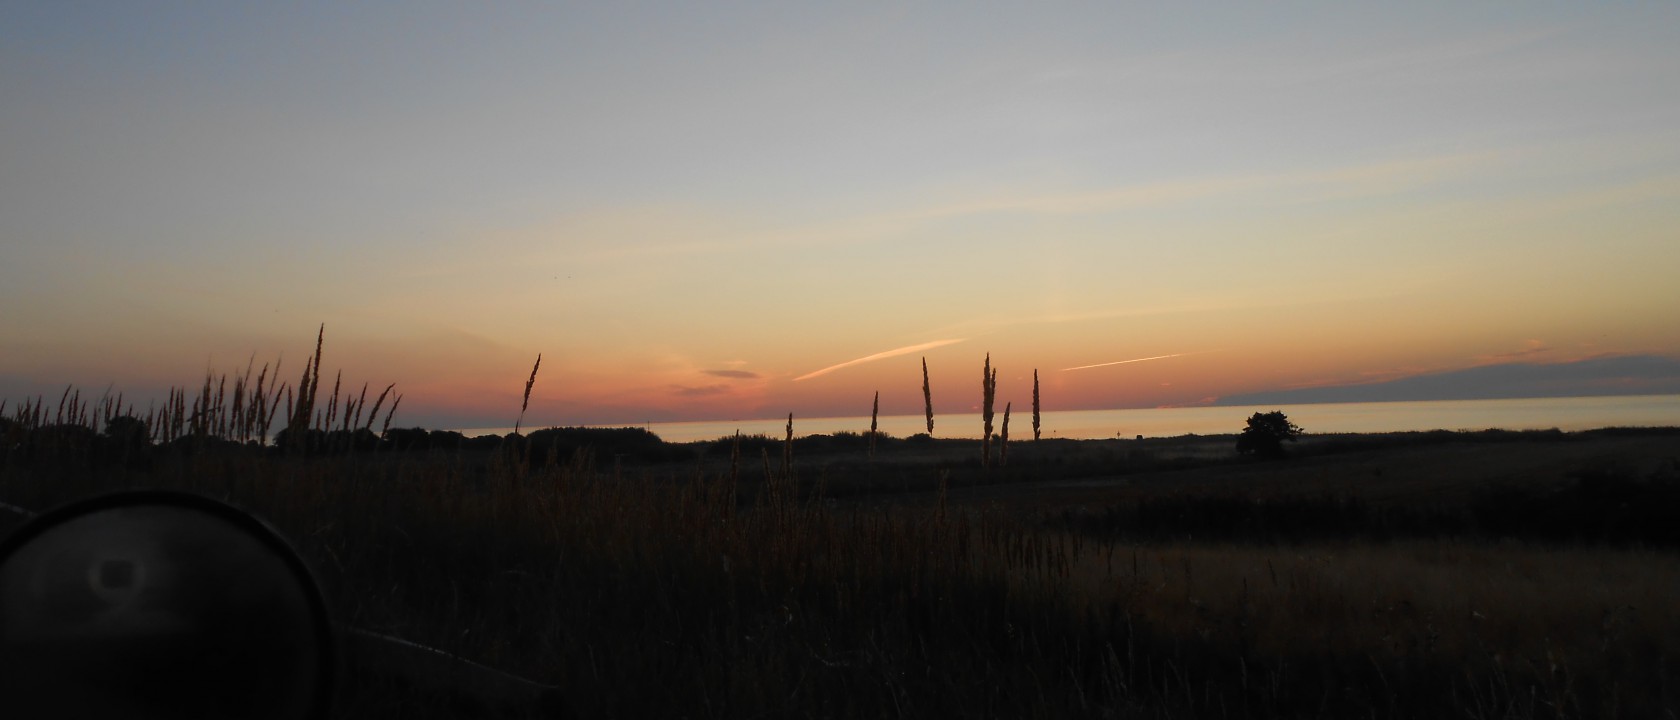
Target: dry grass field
x=1475 y=575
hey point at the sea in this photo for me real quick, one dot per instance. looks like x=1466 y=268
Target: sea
x=1567 y=414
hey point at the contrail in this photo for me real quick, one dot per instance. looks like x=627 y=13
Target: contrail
x=1123 y=362
x=881 y=356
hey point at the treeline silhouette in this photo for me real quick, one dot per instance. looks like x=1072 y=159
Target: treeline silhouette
x=127 y=440
x=1606 y=505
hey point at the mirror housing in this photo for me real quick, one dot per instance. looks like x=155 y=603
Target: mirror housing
x=160 y=604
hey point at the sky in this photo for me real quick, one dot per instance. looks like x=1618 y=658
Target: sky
x=738 y=210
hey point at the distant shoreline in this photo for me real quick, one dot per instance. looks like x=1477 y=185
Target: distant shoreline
x=1567 y=414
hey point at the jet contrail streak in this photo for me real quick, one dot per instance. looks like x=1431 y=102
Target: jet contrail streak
x=880 y=356
x=1123 y=362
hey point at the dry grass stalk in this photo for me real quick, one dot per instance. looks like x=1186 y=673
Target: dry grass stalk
x=1035 y=404
x=314 y=372
x=874 y=413
x=109 y=409
x=787 y=450
x=59 y=418
x=291 y=413
x=28 y=413
x=526 y=402
x=332 y=403
x=223 y=423
x=386 y=428
x=1003 y=438
x=218 y=420
x=927 y=395
x=303 y=411
x=178 y=415
x=238 y=418
x=374 y=414
x=358 y=406
x=988 y=392
x=262 y=414
x=199 y=420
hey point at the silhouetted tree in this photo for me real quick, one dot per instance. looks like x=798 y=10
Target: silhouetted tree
x=306 y=441
x=127 y=440
x=406 y=438
x=446 y=439
x=1266 y=433
x=357 y=440
x=127 y=429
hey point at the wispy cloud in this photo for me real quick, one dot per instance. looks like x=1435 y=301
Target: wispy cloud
x=733 y=374
x=1133 y=360
x=1532 y=347
x=906 y=350
x=703 y=391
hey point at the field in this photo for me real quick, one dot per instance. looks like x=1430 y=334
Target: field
x=1477 y=575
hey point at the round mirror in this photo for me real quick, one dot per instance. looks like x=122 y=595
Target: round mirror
x=156 y=604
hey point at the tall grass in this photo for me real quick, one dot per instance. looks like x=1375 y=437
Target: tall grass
x=224 y=408
x=874 y=427
x=1035 y=404
x=525 y=401
x=988 y=393
x=299 y=422
x=1003 y=438
x=927 y=395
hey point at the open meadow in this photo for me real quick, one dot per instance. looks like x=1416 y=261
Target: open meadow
x=1476 y=575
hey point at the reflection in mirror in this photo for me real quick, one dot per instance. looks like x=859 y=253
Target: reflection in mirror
x=158 y=604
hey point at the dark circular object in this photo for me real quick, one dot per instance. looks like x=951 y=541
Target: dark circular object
x=159 y=604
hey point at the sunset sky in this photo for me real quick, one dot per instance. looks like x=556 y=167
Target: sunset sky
x=730 y=210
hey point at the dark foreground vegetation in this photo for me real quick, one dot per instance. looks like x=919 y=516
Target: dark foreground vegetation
x=1480 y=575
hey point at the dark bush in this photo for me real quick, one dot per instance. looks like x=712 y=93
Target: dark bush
x=1266 y=433
x=629 y=442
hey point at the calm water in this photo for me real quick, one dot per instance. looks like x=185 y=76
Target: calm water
x=1529 y=414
